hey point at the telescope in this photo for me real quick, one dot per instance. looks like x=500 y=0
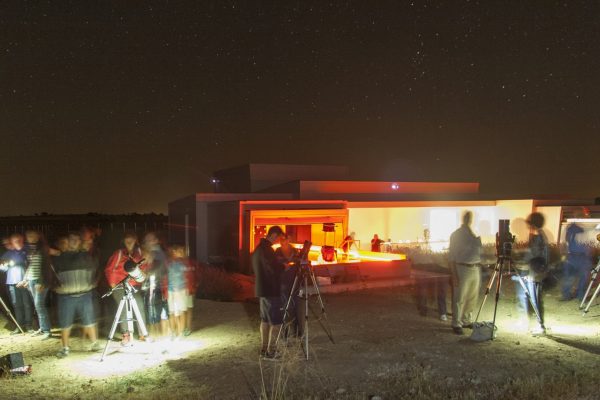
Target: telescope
x=133 y=272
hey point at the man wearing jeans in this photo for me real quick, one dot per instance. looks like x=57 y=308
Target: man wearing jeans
x=36 y=277
x=14 y=262
x=76 y=270
x=465 y=257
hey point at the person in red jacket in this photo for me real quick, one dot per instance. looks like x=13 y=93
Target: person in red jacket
x=115 y=273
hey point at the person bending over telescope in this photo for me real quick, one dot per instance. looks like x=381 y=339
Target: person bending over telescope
x=267 y=270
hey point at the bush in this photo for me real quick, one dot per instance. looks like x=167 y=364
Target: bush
x=215 y=283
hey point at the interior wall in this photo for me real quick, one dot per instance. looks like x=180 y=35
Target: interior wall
x=407 y=224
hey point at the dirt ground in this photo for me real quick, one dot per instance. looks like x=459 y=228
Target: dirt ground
x=383 y=349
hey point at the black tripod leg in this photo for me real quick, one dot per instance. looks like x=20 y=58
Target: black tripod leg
x=10 y=315
x=114 y=327
x=305 y=327
x=498 y=290
x=323 y=318
x=287 y=308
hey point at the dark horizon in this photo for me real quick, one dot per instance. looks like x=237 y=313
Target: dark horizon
x=120 y=108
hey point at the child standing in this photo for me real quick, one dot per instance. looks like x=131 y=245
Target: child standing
x=177 y=289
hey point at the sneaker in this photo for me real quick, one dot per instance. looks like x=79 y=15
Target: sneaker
x=538 y=331
x=46 y=335
x=443 y=317
x=95 y=346
x=37 y=333
x=126 y=340
x=187 y=332
x=272 y=356
x=15 y=332
x=457 y=330
x=63 y=353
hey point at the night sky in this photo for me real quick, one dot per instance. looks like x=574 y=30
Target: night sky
x=123 y=106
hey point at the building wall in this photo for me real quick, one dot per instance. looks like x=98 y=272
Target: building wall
x=182 y=224
x=553 y=218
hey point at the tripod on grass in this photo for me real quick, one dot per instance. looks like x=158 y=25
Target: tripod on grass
x=502 y=268
x=585 y=308
x=305 y=277
x=131 y=309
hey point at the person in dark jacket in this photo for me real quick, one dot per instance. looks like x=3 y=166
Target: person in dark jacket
x=267 y=270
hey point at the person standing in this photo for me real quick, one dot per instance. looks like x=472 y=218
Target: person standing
x=76 y=269
x=578 y=262
x=288 y=254
x=465 y=257
x=37 y=277
x=376 y=243
x=537 y=258
x=115 y=273
x=14 y=262
x=155 y=301
x=267 y=271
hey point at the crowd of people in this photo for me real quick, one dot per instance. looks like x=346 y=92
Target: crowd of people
x=530 y=272
x=71 y=272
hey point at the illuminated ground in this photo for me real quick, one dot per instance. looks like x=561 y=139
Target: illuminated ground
x=383 y=347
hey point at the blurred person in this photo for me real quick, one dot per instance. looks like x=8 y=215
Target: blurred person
x=537 y=259
x=115 y=273
x=191 y=278
x=578 y=262
x=155 y=301
x=14 y=262
x=38 y=277
x=376 y=243
x=288 y=254
x=267 y=271
x=88 y=239
x=177 y=289
x=62 y=244
x=464 y=256
x=76 y=270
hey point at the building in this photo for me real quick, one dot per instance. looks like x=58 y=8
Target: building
x=224 y=226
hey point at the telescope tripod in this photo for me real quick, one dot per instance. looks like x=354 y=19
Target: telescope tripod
x=304 y=277
x=595 y=271
x=128 y=303
x=501 y=263
x=10 y=315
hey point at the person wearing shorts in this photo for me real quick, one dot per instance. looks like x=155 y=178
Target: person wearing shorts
x=177 y=289
x=267 y=270
x=76 y=272
x=155 y=301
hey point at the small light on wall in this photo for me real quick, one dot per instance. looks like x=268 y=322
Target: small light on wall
x=395 y=186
